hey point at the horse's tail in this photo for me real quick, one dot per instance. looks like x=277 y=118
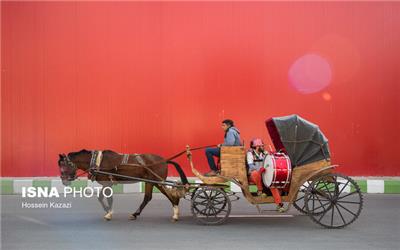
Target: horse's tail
x=180 y=171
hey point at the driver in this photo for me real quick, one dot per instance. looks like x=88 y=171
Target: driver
x=231 y=138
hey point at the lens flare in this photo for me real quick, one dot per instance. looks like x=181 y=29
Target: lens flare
x=326 y=96
x=310 y=74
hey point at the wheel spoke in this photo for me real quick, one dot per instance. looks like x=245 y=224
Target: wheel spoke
x=351 y=202
x=203 y=211
x=313 y=204
x=322 y=215
x=333 y=211
x=322 y=206
x=346 y=209
x=354 y=192
x=200 y=202
x=301 y=197
x=327 y=189
x=345 y=185
x=341 y=216
x=320 y=202
x=215 y=212
x=203 y=197
x=218 y=202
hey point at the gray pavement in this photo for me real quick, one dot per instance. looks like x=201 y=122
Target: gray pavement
x=82 y=227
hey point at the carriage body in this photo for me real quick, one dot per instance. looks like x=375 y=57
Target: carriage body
x=233 y=169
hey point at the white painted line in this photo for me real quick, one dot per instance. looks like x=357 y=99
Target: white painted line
x=18 y=184
x=261 y=215
x=33 y=220
x=375 y=186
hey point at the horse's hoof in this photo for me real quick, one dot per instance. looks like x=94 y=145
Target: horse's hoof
x=174 y=220
x=132 y=217
x=108 y=216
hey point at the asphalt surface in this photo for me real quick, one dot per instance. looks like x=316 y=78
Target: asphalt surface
x=82 y=227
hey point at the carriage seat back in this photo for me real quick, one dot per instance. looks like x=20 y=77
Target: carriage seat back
x=233 y=162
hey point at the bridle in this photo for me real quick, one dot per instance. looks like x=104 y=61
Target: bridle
x=71 y=167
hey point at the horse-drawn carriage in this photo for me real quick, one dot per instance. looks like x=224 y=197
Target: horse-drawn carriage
x=300 y=168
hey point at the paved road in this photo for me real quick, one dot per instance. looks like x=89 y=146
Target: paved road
x=82 y=227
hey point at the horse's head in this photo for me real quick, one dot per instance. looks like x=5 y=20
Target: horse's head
x=70 y=163
x=67 y=169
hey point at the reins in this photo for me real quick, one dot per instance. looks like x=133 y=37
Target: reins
x=164 y=161
x=169 y=159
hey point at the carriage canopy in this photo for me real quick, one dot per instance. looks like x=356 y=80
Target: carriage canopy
x=302 y=140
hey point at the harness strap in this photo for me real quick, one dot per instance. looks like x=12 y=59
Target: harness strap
x=140 y=159
x=95 y=162
x=170 y=158
x=143 y=164
x=97 y=157
x=125 y=159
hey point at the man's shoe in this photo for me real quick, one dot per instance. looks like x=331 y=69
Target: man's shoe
x=280 y=208
x=260 y=193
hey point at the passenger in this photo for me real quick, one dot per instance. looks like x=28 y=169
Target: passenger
x=232 y=138
x=255 y=158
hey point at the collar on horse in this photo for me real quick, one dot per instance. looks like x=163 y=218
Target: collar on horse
x=125 y=159
x=95 y=161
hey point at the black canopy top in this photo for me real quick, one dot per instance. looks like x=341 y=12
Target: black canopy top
x=300 y=139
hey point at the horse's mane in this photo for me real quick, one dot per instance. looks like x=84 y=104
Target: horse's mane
x=87 y=151
x=79 y=152
x=109 y=151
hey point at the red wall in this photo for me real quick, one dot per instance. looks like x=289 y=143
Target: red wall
x=153 y=77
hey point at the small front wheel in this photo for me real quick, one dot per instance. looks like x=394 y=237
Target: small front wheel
x=210 y=205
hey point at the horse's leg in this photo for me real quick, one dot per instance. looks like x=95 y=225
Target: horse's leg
x=148 y=194
x=175 y=208
x=110 y=200
x=174 y=201
x=100 y=198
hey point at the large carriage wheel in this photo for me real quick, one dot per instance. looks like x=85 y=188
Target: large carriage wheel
x=210 y=205
x=333 y=200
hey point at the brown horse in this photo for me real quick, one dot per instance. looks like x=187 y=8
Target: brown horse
x=145 y=166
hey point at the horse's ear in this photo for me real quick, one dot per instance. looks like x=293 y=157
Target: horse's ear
x=60 y=155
